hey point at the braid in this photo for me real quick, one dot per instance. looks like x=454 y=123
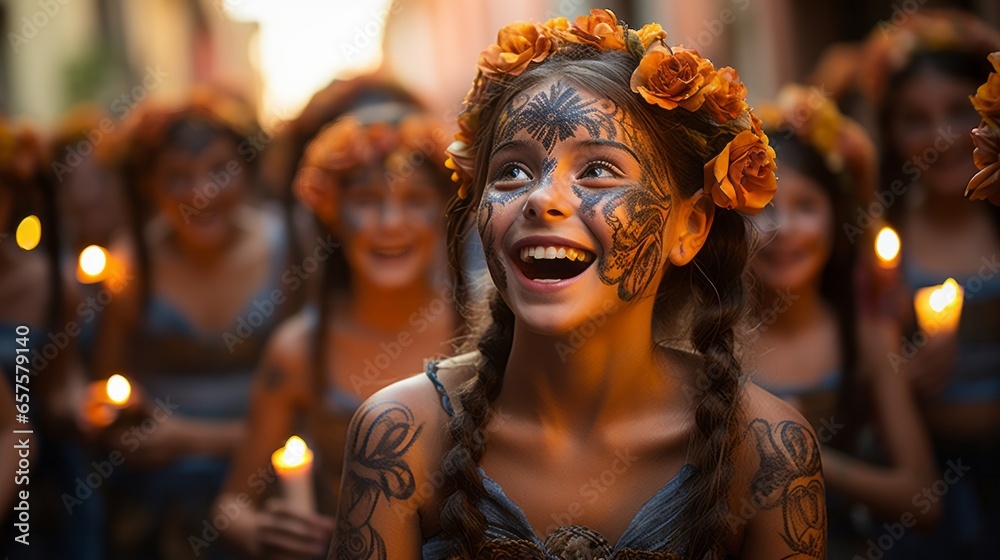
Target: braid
x=721 y=297
x=460 y=519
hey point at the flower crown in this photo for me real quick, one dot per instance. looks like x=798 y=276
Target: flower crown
x=986 y=183
x=403 y=142
x=741 y=177
x=815 y=120
x=890 y=47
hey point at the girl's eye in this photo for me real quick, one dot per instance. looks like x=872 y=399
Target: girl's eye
x=513 y=173
x=601 y=170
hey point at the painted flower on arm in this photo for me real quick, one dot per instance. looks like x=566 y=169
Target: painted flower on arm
x=742 y=176
x=518 y=44
x=681 y=78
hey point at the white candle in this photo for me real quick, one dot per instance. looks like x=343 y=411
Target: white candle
x=293 y=463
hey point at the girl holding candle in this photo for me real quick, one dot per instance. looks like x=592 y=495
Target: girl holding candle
x=201 y=290
x=815 y=348
x=376 y=181
x=600 y=411
x=920 y=77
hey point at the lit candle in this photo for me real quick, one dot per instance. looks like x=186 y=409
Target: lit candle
x=887 y=248
x=107 y=398
x=29 y=233
x=939 y=307
x=92 y=264
x=293 y=463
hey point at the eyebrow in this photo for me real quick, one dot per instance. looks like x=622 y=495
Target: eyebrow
x=511 y=144
x=612 y=144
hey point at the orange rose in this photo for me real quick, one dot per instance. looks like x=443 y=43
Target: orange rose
x=987 y=98
x=599 y=29
x=726 y=101
x=517 y=45
x=742 y=177
x=986 y=183
x=670 y=80
x=650 y=33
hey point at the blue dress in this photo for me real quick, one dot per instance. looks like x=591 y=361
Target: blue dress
x=651 y=535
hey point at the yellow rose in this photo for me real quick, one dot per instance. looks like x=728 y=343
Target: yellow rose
x=650 y=33
x=726 y=100
x=681 y=78
x=987 y=98
x=986 y=183
x=517 y=45
x=742 y=176
x=599 y=29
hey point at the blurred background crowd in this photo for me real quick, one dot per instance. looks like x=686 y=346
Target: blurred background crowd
x=221 y=225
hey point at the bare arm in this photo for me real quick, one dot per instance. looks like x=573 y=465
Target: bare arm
x=378 y=512
x=784 y=488
x=279 y=390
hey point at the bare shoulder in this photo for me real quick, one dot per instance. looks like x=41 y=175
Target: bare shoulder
x=286 y=362
x=778 y=495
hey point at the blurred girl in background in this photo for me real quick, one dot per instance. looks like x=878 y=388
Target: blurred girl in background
x=377 y=184
x=813 y=348
x=920 y=76
x=38 y=353
x=205 y=288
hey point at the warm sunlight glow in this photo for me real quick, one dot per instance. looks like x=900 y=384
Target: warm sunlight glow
x=303 y=44
x=29 y=233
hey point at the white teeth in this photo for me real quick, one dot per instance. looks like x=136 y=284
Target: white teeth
x=540 y=252
x=547 y=280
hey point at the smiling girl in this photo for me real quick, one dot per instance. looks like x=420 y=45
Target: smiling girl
x=592 y=158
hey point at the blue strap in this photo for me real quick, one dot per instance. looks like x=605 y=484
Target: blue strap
x=445 y=399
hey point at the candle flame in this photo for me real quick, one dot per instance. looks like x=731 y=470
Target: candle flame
x=118 y=389
x=887 y=244
x=944 y=295
x=93 y=260
x=294 y=453
x=29 y=233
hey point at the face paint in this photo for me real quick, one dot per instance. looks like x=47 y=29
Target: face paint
x=630 y=210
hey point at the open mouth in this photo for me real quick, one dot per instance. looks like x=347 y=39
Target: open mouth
x=390 y=252
x=552 y=263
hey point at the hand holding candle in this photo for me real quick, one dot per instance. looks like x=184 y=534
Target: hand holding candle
x=939 y=307
x=293 y=463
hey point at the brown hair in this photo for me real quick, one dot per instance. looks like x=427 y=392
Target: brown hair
x=709 y=296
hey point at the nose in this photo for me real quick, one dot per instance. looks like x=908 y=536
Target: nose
x=552 y=200
x=391 y=216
